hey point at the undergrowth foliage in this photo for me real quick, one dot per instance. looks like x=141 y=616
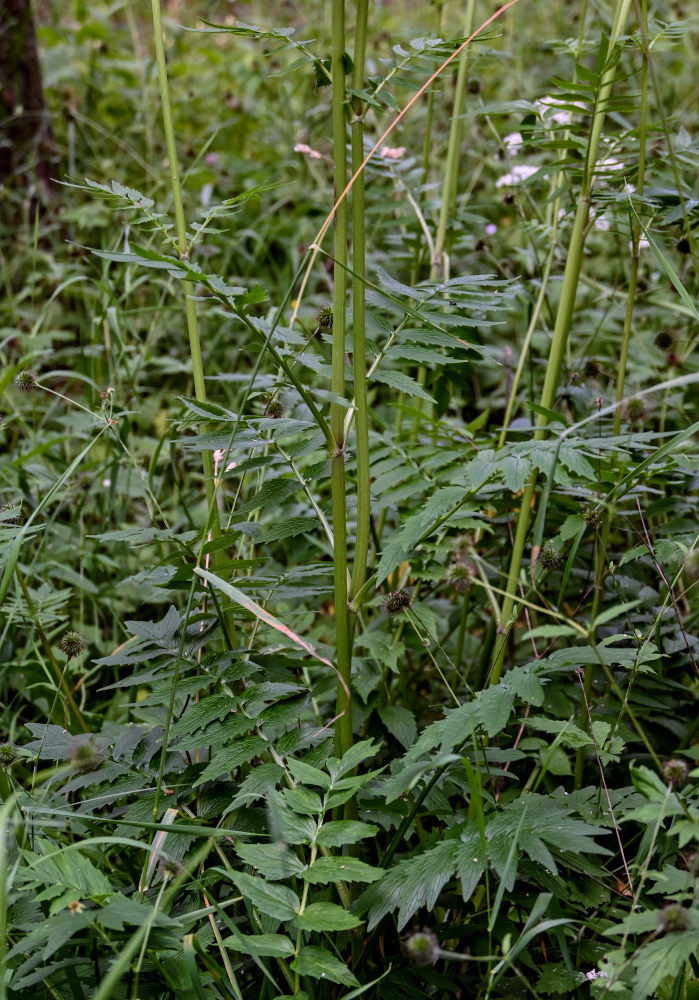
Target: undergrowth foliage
x=349 y=599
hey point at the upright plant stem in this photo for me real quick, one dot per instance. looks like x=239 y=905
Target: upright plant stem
x=358 y=312
x=451 y=173
x=562 y=326
x=190 y=308
x=449 y=184
x=343 y=729
x=636 y=234
x=603 y=538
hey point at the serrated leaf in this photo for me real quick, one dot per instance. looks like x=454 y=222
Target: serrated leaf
x=230 y=758
x=340 y=832
x=321 y=964
x=341 y=869
x=307 y=774
x=515 y=468
x=326 y=917
x=402 y=382
x=275 y=900
x=274 y=861
x=410 y=884
x=357 y=754
x=400 y=722
x=265 y=945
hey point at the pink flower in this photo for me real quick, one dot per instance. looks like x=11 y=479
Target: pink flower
x=312 y=154
x=513 y=142
x=219 y=455
x=392 y=152
x=518 y=173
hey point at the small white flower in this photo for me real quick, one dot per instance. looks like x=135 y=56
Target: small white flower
x=602 y=224
x=312 y=154
x=609 y=164
x=517 y=174
x=206 y=192
x=392 y=152
x=106 y=483
x=513 y=142
x=629 y=188
x=491 y=229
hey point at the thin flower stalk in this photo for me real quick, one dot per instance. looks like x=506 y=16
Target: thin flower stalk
x=213 y=516
x=564 y=317
x=361 y=405
x=343 y=730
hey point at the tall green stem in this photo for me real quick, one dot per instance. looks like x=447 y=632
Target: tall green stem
x=636 y=234
x=451 y=173
x=562 y=326
x=449 y=184
x=361 y=405
x=603 y=538
x=213 y=517
x=343 y=730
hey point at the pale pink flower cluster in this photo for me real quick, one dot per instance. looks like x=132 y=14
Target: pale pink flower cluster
x=520 y=172
x=312 y=154
x=513 y=142
x=392 y=152
x=219 y=456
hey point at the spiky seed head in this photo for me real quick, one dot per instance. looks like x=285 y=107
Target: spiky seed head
x=72 y=644
x=85 y=755
x=8 y=755
x=460 y=575
x=27 y=381
x=169 y=867
x=274 y=408
x=591 y=516
x=592 y=368
x=675 y=772
x=672 y=918
x=324 y=318
x=422 y=947
x=665 y=339
x=397 y=601
x=474 y=86
x=550 y=558
x=683 y=245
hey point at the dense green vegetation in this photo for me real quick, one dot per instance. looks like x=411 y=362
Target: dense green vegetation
x=348 y=567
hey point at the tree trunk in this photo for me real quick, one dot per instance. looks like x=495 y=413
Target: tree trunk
x=26 y=141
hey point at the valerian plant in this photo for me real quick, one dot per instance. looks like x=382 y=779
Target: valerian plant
x=349 y=586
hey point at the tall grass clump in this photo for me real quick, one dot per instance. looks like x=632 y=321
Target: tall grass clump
x=348 y=585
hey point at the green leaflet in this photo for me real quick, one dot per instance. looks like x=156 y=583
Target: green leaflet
x=275 y=900
x=342 y=868
x=323 y=917
x=230 y=758
x=322 y=964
